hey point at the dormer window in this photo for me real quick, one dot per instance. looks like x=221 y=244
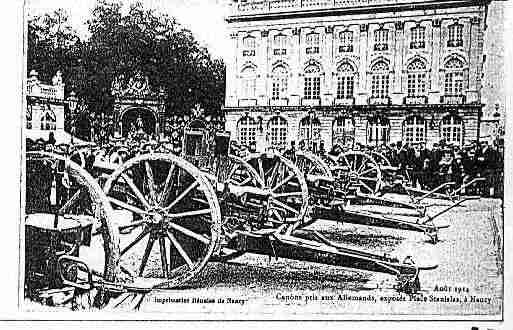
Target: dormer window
x=418 y=37
x=381 y=39
x=249 y=46
x=455 y=35
x=280 y=45
x=346 y=42
x=312 y=43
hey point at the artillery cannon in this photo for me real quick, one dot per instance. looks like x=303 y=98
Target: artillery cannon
x=205 y=205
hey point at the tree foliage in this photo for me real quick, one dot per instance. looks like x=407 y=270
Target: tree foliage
x=126 y=42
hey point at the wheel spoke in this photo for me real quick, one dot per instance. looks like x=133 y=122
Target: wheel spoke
x=127 y=271
x=182 y=195
x=72 y=201
x=133 y=224
x=368 y=171
x=188 y=214
x=189 y=233
x=284 y=206
x=274 y=172
x=347 y=162
x=150 y=182
x=368 y=179
x=287 y=179
x=261 y=170
x=146 y=255
x=136 y=190
x=362 y=166
x=277 y=215
x=180 y=250
x=366 y=186
x=137 y=240
x=289 y=194
x=126 y=206
x=167 y=185
x=163 y=256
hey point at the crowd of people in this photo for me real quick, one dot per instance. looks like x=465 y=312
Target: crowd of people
x=427 y=169
x=421 y=167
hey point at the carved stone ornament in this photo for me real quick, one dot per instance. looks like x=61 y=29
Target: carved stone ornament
x=137 y=87
x=437 y=22
x=364 y=27
x=476 y=20
x=329 y=29
x=399 y=25
x=265 y=33
x=296 y=31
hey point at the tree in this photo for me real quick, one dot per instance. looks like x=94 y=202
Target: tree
x=122 y=44
x=52 y=44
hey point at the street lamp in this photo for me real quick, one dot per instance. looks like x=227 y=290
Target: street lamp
x=72 y=102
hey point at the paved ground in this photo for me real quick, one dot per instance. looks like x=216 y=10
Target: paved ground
x=256 y=285
x=260 y=287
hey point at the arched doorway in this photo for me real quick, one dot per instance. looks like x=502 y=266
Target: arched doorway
x=137 y=119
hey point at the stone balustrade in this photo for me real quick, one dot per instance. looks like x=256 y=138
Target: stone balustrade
x=242 y=7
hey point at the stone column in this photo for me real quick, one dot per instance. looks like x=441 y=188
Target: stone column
x=262 y=59
x=232 y=73
x=435 y=88
x=327 y=63
x=475 y=63
x=398 y=62
x=295 y=67
x=362 y=91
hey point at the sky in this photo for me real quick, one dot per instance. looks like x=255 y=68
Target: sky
x=205 y=18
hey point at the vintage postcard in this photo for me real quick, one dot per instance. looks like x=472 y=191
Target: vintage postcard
x=264 y=159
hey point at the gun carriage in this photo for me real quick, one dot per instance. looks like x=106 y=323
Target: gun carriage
x=155 y=220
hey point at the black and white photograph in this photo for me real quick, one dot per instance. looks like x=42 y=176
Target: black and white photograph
x=264 y=159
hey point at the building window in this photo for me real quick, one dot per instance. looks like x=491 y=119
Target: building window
x=247 y=128
x=455 y=35
x=380 y=86
x=414 y=130
x=345 y=81
x=312 y=43
x=312 y=87
x=343 y=132
x=310 y=132
x=280 y=45
x=378 y=131
x=416 y=78
x=418 y=37
x=48 y=121
x=249 y=46
x=451 y=130
x=280 y=83
x=278 y=132
x=453 y=78
x=381 y=39
x=346 y=42
x=248 y=83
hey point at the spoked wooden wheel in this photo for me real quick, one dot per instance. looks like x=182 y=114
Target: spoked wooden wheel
x=241 y=173
x=77 y=199
x=172 y=219
x=79 y=157
x=359 y=169
x=380 y=159
x=311 y=164
x=286 y=188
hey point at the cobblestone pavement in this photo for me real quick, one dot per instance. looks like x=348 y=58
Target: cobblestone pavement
x=466 y=282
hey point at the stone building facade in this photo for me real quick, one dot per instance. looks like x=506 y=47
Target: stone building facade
x=45 y=108
x=355 y=71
